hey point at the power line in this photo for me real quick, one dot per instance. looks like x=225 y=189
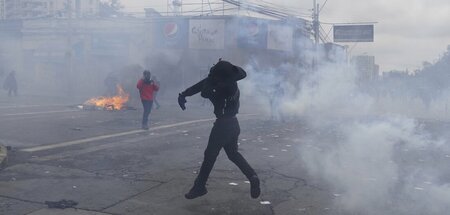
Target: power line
x=323 y=5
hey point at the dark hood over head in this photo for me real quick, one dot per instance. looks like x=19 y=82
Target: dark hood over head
x=225 y=71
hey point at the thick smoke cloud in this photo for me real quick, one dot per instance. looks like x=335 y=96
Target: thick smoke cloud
x=372 y=160
x=380 y=166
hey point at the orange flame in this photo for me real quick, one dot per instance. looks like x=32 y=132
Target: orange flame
x=116 y=102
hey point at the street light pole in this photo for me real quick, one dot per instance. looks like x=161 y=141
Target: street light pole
x=69 y=51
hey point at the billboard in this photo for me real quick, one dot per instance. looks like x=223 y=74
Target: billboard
x=252 y=34
x=206 y=33
x=353 y=33
x=171 y=34
x=280 y=37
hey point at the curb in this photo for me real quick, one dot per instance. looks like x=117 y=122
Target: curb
x=3 y=156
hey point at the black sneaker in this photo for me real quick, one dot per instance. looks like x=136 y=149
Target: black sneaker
x=145 y=127
x=196 y=192
x=255 y=191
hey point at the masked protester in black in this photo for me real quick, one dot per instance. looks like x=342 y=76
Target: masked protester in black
x=221 y=88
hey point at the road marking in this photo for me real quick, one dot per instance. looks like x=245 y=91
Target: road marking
x=25 y=106
x=87 y=150
x=43 y=112
x=87 y=140
x=31 y=117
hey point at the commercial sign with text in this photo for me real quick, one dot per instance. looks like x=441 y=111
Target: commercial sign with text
x=206 y=33
x=353 y=33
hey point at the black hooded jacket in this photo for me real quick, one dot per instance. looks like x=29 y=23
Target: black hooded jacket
x=221 y=88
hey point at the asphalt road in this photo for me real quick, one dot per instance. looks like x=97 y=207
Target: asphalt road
x=103 y=161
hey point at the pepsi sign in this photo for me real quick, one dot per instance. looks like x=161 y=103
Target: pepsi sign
x=170 y=30
x=252 y=33
x=171 y=34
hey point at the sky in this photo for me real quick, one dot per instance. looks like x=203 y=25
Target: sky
x=407 y=32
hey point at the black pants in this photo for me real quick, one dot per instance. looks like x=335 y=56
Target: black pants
x=147 y=104
x=225 y=133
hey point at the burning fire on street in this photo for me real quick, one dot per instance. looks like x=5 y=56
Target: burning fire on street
x=117 y=102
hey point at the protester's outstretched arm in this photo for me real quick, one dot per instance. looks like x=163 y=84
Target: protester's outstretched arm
x=196 y=88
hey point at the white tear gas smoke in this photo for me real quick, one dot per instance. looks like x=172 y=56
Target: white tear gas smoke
x=380 y=166
x=375 y=163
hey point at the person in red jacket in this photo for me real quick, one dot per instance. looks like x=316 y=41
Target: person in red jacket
x=147 y=87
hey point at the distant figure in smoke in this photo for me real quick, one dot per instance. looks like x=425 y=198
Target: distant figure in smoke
x=111 y=82
x=155 y=95
x=275 y=97
x=10 y=84
x=221 y=88
x=147 y=87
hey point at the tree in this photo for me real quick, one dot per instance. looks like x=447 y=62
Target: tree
x=110 y=8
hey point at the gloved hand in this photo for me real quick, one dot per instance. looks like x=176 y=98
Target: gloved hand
x=182 y=101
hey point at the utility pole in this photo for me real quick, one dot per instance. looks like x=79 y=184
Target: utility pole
x=316 y=23
x=316 y=31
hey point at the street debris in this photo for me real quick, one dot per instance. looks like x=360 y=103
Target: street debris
x=265 y=149
x=265 y=202
x=62 y=204
x=233 y=184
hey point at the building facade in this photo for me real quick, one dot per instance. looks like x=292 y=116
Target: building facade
x=366 y=67
x=32 y=9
